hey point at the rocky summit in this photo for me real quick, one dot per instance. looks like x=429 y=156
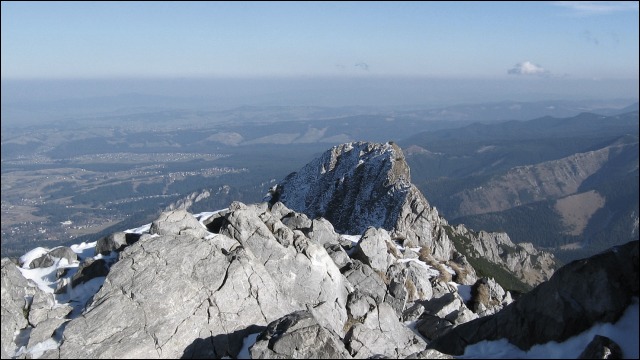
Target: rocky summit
x=346 y=260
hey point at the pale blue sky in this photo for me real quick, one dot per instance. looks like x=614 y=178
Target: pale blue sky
x=581 y=40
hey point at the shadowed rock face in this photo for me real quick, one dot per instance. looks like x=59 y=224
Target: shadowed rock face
x=596 y=289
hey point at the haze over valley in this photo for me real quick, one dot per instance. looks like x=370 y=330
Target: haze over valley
x=89 y=175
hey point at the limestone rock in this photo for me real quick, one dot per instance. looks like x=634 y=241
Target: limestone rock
x=358 y=185
x=304 y=269
x=523 y=260
x=431 y=326
x=178 y=222
x=115 y=242
x=338 y=255
x=27 y=310
x=366 y=280
x=381 y=333
x=429 y=354
x=581 y=293
x=372 y=249
x=298 y=336
x=417 y=282
x=15 y=288
x=160 y=298
x=322 y=232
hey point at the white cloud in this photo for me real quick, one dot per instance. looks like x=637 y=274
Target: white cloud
x=527 y=68
x=598 y=7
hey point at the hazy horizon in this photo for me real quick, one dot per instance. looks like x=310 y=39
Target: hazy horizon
x=227 y=54
x=322 y=91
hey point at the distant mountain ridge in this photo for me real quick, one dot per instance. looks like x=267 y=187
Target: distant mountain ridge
x=566 y=184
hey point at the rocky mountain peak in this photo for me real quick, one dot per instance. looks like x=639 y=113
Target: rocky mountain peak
x=359 y=185
x=362 y=184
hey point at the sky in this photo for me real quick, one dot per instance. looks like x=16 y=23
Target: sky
x=554 y=42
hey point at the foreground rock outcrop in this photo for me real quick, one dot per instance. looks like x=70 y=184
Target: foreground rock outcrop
x=597 y=289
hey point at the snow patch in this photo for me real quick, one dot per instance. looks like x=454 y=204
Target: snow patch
x=139 y=230
x=463 y=290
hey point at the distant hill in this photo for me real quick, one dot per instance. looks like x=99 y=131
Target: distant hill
x=567 y=184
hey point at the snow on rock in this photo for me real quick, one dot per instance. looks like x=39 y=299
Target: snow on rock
x=359 y=185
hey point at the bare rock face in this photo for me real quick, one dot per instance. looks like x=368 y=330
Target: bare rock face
x=166 y=292
x=359 y=185
x=26 y=309
x=379 y=333
x=530 y=265
x=115 y=242
x=15 y=288
x=178 y=222
x=581 y=293
x=304 y=270
x=298 y=336
x=183 y=295
x=372 y=249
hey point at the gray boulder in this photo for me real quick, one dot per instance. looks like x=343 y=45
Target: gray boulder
x=381 y=333
x=447 y=306
x=373 y=249
x=322 y=232
x=178 y=222
x=338 y=255
x=413 y=312
x=360 y=304
x=429 y=354
x=298 y=336
x=114 y=242
x=417 y=282
x=88 y=270
x=431 y=326
x=167 y=292
x=366 y=280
